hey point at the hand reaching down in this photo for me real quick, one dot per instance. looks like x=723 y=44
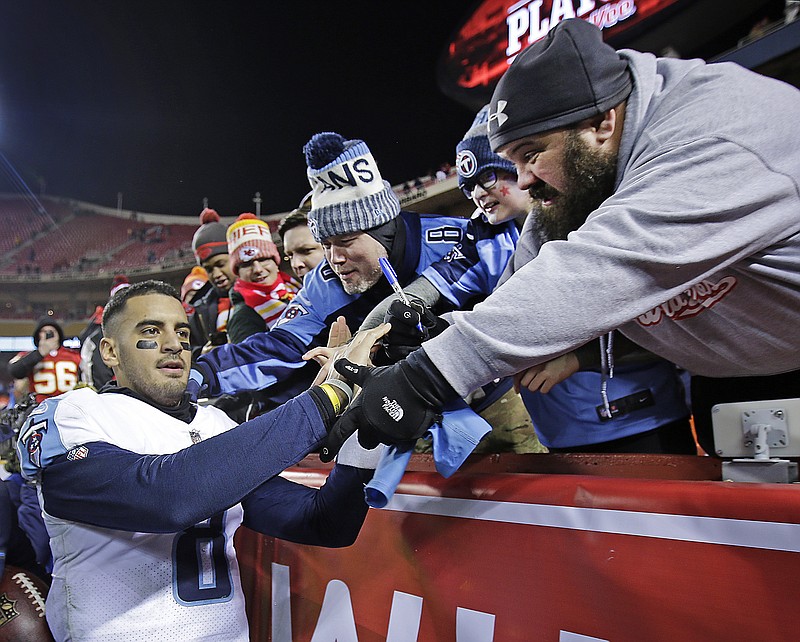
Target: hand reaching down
x=542 y=377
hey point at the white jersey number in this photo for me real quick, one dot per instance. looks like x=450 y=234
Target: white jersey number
x=201 y=573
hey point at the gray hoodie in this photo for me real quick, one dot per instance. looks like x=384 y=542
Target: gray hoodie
x=696 y=255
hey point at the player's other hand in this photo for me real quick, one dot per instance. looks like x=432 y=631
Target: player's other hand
x=341 y=344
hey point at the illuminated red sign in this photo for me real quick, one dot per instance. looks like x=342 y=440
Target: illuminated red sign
x=498 y=30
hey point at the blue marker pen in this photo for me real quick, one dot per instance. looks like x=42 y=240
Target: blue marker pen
x=391 y=277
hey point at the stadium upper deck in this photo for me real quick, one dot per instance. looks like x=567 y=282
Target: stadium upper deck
x=60 y=255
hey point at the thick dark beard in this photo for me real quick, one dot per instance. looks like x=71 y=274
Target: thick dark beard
x=590 y=177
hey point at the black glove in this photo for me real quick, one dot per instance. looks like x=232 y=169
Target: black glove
x=396 y=406
x=411 y=325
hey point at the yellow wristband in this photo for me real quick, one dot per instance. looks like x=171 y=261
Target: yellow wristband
x=333 y=396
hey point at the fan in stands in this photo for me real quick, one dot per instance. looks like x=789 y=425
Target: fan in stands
x=22 y=598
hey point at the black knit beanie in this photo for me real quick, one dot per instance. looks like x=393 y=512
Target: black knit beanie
x=565 y=77
x=42 y=323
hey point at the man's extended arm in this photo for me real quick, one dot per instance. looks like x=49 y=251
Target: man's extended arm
x=116 y=488
x=331 y=516
x=271 y=362
x=23 y=366
x=257 y=363
x=646 y=245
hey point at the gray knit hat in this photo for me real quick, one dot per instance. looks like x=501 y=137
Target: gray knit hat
x=209 y=239
x=348 y=193
x=473 y=154
x=565 y=77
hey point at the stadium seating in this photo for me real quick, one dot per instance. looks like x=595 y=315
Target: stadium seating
x=174 y=243
x=78 y=240
x=58 y=256
x=23 y=220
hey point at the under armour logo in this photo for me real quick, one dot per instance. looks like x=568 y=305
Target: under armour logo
x=499 y=116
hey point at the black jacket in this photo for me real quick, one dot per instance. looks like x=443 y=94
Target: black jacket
x=243 y=320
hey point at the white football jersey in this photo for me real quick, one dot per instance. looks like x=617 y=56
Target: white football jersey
x=111 y=585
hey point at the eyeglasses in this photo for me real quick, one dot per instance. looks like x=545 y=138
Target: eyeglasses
x=487 y=179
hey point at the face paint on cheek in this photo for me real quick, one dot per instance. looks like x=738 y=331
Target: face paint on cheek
x=147 y=345
x=185 y=345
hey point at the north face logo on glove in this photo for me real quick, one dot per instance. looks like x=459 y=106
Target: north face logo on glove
x=392 y=408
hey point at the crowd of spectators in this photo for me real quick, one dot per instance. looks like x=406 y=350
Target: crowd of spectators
x=601 y=293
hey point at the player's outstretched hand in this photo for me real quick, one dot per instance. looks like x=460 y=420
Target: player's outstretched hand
x=391 y=409
x=338 y=335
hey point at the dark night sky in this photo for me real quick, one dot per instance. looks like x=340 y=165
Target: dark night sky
x=172 y=101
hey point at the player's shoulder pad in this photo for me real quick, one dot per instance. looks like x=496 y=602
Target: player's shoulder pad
x=39 y=441
x=442 y=230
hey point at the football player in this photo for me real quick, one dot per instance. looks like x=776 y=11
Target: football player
x=142 y=490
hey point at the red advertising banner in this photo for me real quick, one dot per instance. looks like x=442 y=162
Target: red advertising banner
x=530 y=557
x=487 y=42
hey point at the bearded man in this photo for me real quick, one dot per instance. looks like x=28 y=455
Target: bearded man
x=691 y=251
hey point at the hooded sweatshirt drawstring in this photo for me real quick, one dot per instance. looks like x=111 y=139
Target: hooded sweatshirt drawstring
x=606 y=369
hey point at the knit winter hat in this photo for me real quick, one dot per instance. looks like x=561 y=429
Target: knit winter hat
x=195 y=280
x=120 y=282
x=473 y=154
x=568 y=75
x=209 y=239
x=348 y=193
x=250 y=238
x=42 y=323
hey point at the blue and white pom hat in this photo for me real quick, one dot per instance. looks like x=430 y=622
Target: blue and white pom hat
x=348 y=192
x=473 y=154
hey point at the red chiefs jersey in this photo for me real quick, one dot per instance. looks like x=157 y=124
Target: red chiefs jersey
x=54 y=374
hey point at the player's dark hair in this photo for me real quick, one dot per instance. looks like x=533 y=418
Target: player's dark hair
x=295 y=218
x=117 y=302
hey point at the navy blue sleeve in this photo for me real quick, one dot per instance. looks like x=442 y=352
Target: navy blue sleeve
x=116 y=488
x=6 y=524
x=331 y=516
x=31 y=522
x=15 y=547
x=259 y=362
